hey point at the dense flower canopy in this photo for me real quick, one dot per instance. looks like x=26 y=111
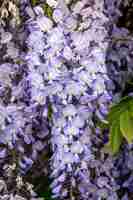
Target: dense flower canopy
x=62 y=64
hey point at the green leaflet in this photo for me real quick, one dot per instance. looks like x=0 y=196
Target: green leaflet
x=126 y=126
x=103 y=124
x=34 y=2
x=131 y=108
x=117 y=109
x=48 y=11
x=120 y=124
x=115 y=139
x=130 y=82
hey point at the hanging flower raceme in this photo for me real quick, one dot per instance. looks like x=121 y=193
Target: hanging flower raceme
x=69 y=65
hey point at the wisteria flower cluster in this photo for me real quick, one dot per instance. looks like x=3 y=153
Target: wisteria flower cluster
x=60 y=70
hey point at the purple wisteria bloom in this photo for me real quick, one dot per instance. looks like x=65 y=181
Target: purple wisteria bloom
x=59 y=73
x=75 y=81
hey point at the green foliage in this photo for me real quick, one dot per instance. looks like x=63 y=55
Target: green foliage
x=126 y=126
x=34 y=2
x=42 y=187
x=48 y=11
x=115 y=137
x=47 y=194
x=117 y=109
x=120 y=124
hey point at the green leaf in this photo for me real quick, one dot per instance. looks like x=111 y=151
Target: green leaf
x=102 y=124
x=130 y=82
x=49 y=11
x=117 y=109
x=34 y=2
x=131 y=108
x=120 y=123
x=115 y=138
x=44 y=6
x=126 y=126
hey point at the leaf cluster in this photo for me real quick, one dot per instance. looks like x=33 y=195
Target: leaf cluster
x=120 y=123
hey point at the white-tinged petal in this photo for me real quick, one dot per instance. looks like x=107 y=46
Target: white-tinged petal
x=45 y=23
x=52 y=3
x=77 y=148
x=69 y=110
